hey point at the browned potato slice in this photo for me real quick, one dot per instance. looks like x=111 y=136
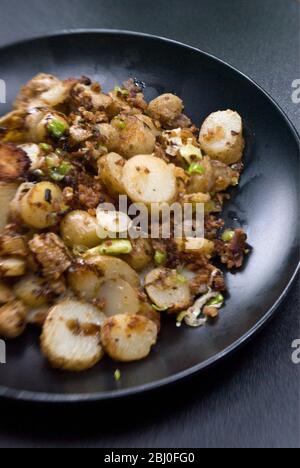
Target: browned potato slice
x=85 y=281
x=7 y=193
x=148 y=180
x=141 y=255
x=43 y=89
x=14 y=162
x=111 y=268
x=109 y=136
x=37 y=316
x=134 y=137
x=12 y=267
x=31 y=291
x=12 y=319
x=6 y=294
x=165 y=108
x=111 y=172
x=221 y=136
x=79 y=228
x=128 y=338
x=118 y=297
x=168 y=290
x=71 y=336
x=150 y=313
x=39 y=206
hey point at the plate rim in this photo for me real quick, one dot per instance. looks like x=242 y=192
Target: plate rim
x=42 y=397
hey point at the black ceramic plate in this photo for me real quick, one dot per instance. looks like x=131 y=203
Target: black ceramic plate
x=265 y=205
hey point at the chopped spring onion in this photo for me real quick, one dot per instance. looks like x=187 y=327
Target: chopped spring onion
x=117 y=375
x=160 y=257
x=219 y=299
x=228 y=235
x=120 y=124
x=181 y=279
x=180 y=318
x=159 y=309
x=60 y=172
x=57 y=128
x=122 y=91
x=112 y=247
x=190 y=152
x=196 y=168
x=46 y=147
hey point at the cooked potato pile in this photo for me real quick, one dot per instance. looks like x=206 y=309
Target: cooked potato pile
x=69 y=266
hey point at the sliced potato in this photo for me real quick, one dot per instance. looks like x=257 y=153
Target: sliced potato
x=85 y=281
x=111 y=172
x=141 y=255
x=148 y=180
x=118 y=297
x=12 y=319
x=39 y=206
x=199 y=245
x=34 y=153
x=13 y=244
x=146 y=310
x=134 y=137
x=14 y=208
x=37 y=316
x=31 y=291
x=128 y=338
x=71 y=336
x=6 y=293
x=14 y=162
x=221 y=136
x=79 y=228
x=7 y=193
x=12 y=267
x=111 y=268
x=165 y=108
x=109 y=136
x=168 y=290
x=112 y=224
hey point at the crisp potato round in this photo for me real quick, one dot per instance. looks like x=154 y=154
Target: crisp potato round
x=39 y=206
x=148 y=180
x=111 y=268
x=146 y=310
x=79 y=228
x=111 y=172
x=128 y=338
x=12 y=267
x=7 y=193
x=34 y=153
x=109 y=136
x=31 y=291
x=12 y=319
x=134 y=137
x=168 y=290
x=221 y=136
x=6 y=294
x=71 y=336
x=85 y=281
x=118 y=297
x=165 y=108
x=37 y=316
x=141 y=255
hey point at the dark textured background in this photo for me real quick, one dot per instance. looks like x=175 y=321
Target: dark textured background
x=253 y=399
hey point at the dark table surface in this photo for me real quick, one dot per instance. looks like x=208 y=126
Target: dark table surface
x=252 y=399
